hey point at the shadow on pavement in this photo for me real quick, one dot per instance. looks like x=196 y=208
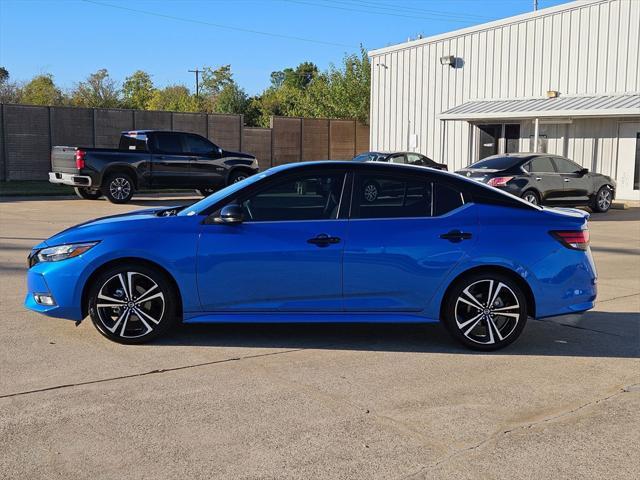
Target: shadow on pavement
x=594 y=334
x=628 y=215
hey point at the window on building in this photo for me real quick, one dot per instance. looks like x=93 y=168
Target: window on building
x=512 y=138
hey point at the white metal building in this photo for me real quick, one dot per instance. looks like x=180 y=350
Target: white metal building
x=467 y=94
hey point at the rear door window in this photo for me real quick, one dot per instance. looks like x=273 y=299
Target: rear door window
x=415 y=159
x=388 y=196
x=541 y=165
x=168 y=142
x=447 y=199
x=398 y=159
x=133 y=141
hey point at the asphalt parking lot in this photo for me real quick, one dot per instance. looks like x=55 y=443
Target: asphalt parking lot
x=349 y=402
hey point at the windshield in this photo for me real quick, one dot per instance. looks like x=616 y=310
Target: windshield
x=206 y=202
x=494 y=163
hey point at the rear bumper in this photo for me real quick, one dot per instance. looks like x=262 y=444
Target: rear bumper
x=70 y=179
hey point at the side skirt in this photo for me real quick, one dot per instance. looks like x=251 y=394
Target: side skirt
x=302 y=317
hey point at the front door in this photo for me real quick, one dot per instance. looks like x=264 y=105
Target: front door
x=207 y=169
x=285 y=256
x=628 y=174
x=402 y=244
x=577 y=186
x=489 y=137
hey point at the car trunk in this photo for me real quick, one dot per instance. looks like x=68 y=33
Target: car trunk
x=63 y=160
x=479 y=174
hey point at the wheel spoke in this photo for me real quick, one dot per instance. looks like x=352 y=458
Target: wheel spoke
x=115 y=325
x=493 y=326
x=472 y=326
x=474 y=301
x=137 y=312
x=124 y=322
x=130 y=283
x=502 y=309
x=143 y=297
x=503 y=314
x=109 y=305
x=124 y=286
x=147 y=316
x=490 y=292
x=467 y=322
x=101 y=296
x=495 y=294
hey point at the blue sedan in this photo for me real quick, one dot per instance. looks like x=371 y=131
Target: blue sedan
x=310 y=243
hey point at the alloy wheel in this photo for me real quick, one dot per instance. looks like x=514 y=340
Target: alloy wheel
x=239 y=178
x=130 y=305
x=531 y=198
x=604 y=199
x=487 y=312
x=120 y=188
x=370 y=192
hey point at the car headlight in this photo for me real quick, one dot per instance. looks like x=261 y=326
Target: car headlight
x=60 y=252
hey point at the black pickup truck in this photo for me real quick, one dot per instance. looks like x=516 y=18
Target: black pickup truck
x=149 y=159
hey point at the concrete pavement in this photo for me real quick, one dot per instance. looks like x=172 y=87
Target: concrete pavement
x=370 y=402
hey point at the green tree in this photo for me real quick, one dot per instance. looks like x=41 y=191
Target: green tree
x=41 y=90
x=175 y=98
x=231 y=99
x=137 y=90
x=214 y=80
x=98 y=90
x=10 y=92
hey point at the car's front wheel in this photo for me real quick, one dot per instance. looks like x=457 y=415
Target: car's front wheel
x=237 y=176
x=132 y=304
x=206 y=191
x=485 y=311
x=603 y=200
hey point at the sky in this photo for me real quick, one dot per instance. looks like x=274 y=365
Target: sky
x=72 y=38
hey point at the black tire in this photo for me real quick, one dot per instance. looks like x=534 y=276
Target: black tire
x=478 y=326
x=118 y=188
x=87 y=193
x=531 y=196
x=370 y=191
x=205 y=192
x=603 y=200
x=133 y=322
x=237 y=176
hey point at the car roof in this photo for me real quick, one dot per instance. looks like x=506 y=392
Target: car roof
x=398 y=167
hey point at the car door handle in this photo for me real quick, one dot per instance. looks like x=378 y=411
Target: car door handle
x=323 y=240
x=538 y=179
x=456 y=236
x=567 y=180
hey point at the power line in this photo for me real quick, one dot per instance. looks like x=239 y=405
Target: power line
x=403 y=9
x=335 y=7
x=218 y=25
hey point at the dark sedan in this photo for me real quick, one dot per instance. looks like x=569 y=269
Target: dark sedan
x=407 y=158
x=544 y=179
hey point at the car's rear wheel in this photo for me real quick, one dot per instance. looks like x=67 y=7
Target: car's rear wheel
x=132 y=304
x=485 y=311
x=87 y=193
x=118 y=188
x=603 y=200
x=205 y=192
x=531 y=197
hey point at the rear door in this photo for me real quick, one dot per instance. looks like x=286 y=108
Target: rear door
x=545 y=179
x=577 y=186
x=170 y=162
x=402 y=245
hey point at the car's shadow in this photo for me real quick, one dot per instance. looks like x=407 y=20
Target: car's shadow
x=628 y=215
x=594 y=334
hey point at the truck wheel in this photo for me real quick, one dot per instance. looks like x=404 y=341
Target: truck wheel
x=88 y=193
x=205 y=192
x=118 y=188
x=237 y=176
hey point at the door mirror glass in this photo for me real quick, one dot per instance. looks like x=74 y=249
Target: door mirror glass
x=230 y=215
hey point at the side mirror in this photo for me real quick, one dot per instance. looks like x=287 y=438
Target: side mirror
x=230 y=215
x=583 y=171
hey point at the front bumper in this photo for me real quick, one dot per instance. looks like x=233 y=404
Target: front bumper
x=70 y=179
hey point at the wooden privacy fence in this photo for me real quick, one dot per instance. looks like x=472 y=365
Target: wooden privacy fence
x=27 y=134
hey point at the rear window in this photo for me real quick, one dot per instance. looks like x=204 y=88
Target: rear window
x=133 y=141
x=168 y=142
x=494 y=163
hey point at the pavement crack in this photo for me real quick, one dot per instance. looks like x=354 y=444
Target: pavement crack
x=525 y=426
x=580 y=328
x=150 y=372
x=617 y=298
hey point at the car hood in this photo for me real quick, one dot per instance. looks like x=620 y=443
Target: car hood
x=239 y=154
x=97 y=228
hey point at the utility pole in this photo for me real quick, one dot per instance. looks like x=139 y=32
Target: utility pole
x=197 y=72
x=535 y=5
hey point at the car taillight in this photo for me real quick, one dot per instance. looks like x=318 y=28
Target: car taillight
x=80 y=154
x=498 y=181
x=575 y=239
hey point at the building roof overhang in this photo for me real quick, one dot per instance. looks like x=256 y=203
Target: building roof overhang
x=596 y=106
